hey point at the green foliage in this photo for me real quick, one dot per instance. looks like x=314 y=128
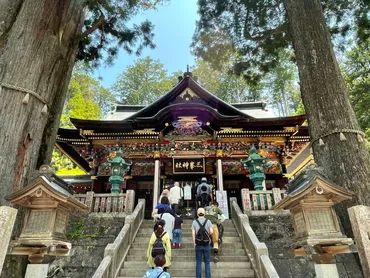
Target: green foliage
x=86 y=99
x=106 y=29
x=143 y=83
x=70 y=172
x=62 y=165
x=78 y=231
x=357 y=77
x=60 y=161
x=224 y=84
x=257 y=31
x=281 y=85
x=356 y=73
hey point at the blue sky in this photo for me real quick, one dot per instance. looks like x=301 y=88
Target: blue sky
x=174 y=27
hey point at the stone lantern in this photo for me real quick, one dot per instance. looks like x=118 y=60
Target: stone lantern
x=48 y=202
x=254 y=165
x=117 y=171
x=310 y=199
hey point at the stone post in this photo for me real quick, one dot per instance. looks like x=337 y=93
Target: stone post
x=326 y=271
x=7 y=219
x=130 y=201
x=37 y=271
x=359 y=217
x=90 y=200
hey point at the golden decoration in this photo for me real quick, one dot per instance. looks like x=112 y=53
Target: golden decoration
x=219 y=153
x=146 y=130
x=156 y=154
x=230 y=130
x=189 y=92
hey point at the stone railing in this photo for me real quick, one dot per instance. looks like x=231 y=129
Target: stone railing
x=108 y=202
x=256 y=250
x=115 y=253
x=262 y=199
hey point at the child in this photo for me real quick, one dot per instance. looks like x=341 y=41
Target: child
x=158 y=270
x=177 y=231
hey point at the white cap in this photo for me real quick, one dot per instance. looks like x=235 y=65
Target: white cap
x=201 y=211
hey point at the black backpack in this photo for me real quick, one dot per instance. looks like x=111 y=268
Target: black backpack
x=158 y=247
x=202 y=237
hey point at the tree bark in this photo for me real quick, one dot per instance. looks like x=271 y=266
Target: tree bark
x=324 y=95
x=38 y=48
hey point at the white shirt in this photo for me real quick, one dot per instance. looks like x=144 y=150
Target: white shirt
x=176 y=194
x=170 y=223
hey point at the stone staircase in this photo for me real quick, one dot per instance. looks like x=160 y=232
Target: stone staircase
x=233 y=260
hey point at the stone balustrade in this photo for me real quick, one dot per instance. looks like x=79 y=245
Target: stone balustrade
x=256 y=250
x=115 y=253
x=108 y=202
x=261 y=199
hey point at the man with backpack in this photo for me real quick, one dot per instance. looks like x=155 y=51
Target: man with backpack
x=201 y=234
x=216 y=216
x=204 y=193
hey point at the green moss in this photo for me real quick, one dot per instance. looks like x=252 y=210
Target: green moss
x=78 y=231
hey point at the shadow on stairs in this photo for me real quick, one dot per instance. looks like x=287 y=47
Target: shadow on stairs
x=233 y=260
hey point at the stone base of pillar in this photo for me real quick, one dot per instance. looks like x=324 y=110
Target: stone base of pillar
x=37 y=271
x=326 y=271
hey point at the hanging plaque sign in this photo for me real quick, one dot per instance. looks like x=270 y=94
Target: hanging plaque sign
x=188 y=165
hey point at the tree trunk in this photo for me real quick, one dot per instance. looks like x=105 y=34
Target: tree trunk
x=346 y=163
x=37 y=52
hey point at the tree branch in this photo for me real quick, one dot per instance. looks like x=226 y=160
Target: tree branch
x=263 y=35
x=95 y=26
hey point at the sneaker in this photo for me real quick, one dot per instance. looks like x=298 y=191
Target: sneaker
x=180 y=246
x=173 y=245
x=216 y=258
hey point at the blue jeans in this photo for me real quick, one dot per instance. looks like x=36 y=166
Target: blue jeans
x=177 y=236
x=203 y=252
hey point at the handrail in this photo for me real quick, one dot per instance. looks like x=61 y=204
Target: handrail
x=115 y=253
x=261 y=199
x=107 y=202
x=257 y=251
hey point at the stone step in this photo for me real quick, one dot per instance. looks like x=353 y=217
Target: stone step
x=233 y=259
x=183 y=258
x=191 y=251
x=189 y=264
x=185 y=233
x=173 y=276
x=182 y=272
x=188 y=226
x=188 y=239
x=187 y=243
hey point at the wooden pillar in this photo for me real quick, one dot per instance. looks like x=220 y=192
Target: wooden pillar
x=220 y=178
x=157 y=170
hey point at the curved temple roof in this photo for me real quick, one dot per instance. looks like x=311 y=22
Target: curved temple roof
x=186 y=99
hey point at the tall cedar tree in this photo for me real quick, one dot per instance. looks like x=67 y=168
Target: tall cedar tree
x=40 y=41
x=259 y=29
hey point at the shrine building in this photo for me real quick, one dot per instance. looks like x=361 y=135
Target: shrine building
x=185 y=135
